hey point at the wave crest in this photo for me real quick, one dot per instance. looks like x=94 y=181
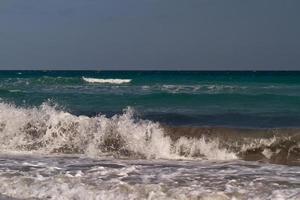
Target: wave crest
x=50 y=130
x=47 y=129
x=111 y=81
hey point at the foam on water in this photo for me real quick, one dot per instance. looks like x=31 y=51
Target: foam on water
x=50 y=130
x=111 y=81
x=74 y=177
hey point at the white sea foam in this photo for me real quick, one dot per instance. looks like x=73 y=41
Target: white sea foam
x=47 y=129
x=204 y=88
x=73 y=177
x=13 y=91
x=111 y=81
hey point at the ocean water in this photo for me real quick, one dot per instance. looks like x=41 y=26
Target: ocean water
x=256 y=99
x=149 y=135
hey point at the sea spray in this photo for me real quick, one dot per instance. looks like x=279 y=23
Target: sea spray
x=51 y=130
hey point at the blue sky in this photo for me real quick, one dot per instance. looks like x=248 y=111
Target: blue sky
x=150 y=34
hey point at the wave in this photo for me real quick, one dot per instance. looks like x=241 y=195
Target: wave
x=14 y=91
x=47 y=129
x=279 y=146
x=50 y=130
x=229 y=89
x=111 y=81
x=204 y=88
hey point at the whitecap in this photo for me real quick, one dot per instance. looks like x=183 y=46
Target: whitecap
x=46 y=129
x=111 y=81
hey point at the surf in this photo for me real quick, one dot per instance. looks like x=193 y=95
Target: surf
x=47 y=129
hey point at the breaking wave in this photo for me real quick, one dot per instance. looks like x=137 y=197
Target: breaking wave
x=50 y=130
x=47 y=129
x=111 y=81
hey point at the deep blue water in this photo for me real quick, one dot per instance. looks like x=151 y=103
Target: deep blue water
x=238 y=99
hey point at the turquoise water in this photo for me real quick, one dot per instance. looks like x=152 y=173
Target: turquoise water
x=238 y=99
x=64 y=135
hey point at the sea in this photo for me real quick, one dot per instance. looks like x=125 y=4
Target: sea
x=206 y=135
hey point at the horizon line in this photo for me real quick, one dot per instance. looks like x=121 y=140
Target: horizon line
x=183 y=70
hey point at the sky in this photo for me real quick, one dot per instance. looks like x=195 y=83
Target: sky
x=150 y=34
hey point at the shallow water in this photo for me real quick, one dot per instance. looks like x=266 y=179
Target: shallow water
x=77 y=177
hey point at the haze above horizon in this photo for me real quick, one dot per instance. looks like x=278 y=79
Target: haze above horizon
x=150 y=35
